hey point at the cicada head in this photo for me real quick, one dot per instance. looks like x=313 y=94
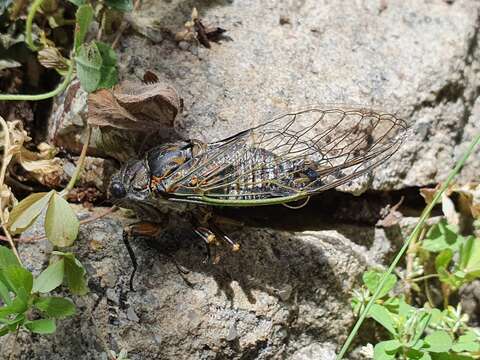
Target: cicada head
x=131 y=183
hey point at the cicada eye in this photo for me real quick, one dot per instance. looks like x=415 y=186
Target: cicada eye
x=118 y=190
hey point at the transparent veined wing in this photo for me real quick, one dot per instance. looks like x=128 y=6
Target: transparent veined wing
x=290 y=157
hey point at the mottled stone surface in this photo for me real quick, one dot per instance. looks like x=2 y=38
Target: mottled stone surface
x=279 y=296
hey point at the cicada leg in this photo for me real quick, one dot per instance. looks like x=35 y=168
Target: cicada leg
x=212 y=236
x=151 y=230
x=208 y=238
x=144 y=229
x=219 y=233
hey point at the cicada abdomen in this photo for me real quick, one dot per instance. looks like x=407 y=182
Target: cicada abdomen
x=290 y=157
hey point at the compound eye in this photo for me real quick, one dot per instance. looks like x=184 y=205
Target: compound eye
x=117 y=190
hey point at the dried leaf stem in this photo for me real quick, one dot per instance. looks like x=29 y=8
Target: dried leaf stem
x=3 y=170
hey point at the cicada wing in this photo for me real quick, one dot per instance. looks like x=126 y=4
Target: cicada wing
x=298 y=153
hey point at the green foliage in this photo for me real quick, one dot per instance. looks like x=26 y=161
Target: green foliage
x=50 y=278
x=95 y=63
x=22 y=295
x=56 y=307
x=96 y=66
x=442 y=236
x=27 y=211
x=417 y=333
x=78 y=2
x=61 y=223
x=120 y=5
x=74 y=273
x=83 y=17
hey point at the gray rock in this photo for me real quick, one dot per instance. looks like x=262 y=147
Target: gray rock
x=315 y=351
x=280 y=293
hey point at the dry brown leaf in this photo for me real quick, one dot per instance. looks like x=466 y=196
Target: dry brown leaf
x=38 y=164
x=194 y=29
x=7 y=200
x=392 y=216
x=150 y=77
x=50 y=57
x=134 y=106
x=469 y=199
x=428 y=194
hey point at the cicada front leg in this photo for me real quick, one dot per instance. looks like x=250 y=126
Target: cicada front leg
x=144 y=229
x=147 y=230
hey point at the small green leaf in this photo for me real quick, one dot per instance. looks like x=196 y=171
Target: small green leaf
x=50 y=278
x=61 y=223
x=27 y=211
x=470 y=256
x=385 y=350
x=437 y=316
x=96 y=66
x=442 y=236
x=451 y=356
x=75 y=274
x=18 y=306
x=384 y=317
x=423 y=319
x=438 y=341
x=468 y=342
x=5 y=294
x=7 y=257
x=442 y=261
x=109 y=66
x=405 y=309
x=42 y=326
x=414 y=354
x=56 y=307
x=4 y=331
x=19 y=279
x=372 y=279
x=120 y=5
x=89 y=66
x=84 y=17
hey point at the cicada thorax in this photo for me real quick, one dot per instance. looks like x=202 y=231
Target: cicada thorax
x=165 y=160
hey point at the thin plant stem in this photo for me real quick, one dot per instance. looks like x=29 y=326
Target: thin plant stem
x=425 y=215
x=58 y=90
x=411 y=255
x=427 y=292
x=28 y=31
x=81 y=162
x=3 y=170
x=425 y=277
x=124 y=25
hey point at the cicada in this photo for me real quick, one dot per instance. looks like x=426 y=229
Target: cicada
x=283 y=161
